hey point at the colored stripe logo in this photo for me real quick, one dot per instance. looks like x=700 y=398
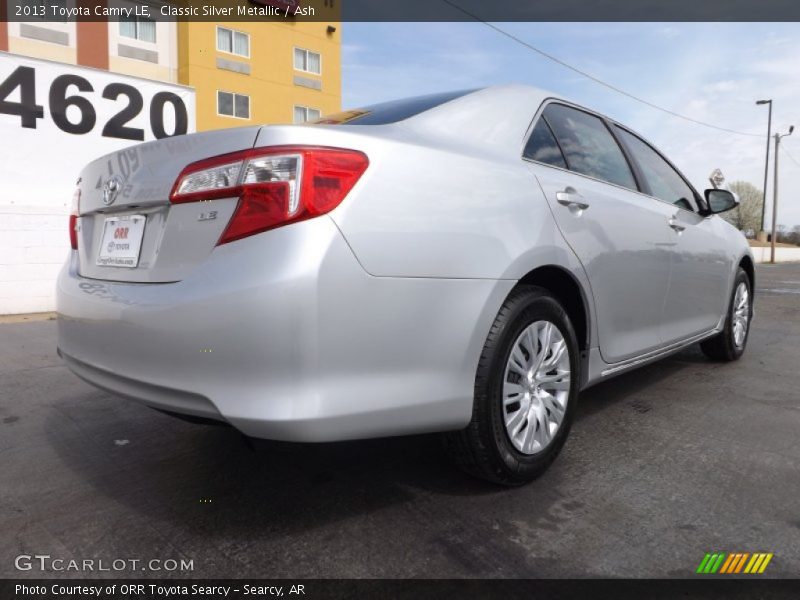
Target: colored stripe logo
x=734 y=562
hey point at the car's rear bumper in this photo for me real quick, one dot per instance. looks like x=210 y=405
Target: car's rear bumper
x=164 y=398
x=285 y=336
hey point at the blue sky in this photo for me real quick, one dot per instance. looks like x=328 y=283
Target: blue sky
x=712 y=72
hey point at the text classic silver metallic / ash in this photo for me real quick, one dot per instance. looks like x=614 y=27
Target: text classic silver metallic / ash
x=462 y=263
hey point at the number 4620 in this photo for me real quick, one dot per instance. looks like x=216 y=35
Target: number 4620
x=28 y=111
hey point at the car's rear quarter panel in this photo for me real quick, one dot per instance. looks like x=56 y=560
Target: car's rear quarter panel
x=287 y=337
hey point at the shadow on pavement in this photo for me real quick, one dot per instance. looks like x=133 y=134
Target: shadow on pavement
x=214 y=480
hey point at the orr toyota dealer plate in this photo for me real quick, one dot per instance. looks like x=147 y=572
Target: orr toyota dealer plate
x=121 y=242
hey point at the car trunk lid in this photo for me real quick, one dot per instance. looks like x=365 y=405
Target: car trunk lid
x=129 y=231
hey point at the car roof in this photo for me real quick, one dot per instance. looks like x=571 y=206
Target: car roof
x=497 y=118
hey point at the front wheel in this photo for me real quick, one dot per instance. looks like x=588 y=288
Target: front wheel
x=526 y=389
x=730 y=343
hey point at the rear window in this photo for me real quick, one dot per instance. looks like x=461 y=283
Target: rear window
x=390 y=112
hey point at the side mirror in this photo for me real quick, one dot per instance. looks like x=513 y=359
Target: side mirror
x=719 y=201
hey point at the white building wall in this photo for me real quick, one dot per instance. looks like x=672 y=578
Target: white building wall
x=34 y=242
x=39 y=167
x=782 y=254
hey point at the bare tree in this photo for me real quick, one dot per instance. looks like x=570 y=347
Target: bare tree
x=747 y=216
x=784 y=235
x=793 y=237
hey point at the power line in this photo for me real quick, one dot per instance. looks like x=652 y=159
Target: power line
x=594 y=78
x=786 y=152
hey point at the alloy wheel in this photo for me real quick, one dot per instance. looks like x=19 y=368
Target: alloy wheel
x=741 y=314
x=536 y=387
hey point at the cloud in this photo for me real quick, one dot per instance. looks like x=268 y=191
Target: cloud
x=723 y=87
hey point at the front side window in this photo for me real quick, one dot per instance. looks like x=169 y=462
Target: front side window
x=542 y=146
x=305 y=60
x=664 y=182
x=588 y=146
x=230 y=104
x=138 y=28
x=233 y=42
x=304 y=113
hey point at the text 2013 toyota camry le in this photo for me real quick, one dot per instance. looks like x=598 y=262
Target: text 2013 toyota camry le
x=463 y=263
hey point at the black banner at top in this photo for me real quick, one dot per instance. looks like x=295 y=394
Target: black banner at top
x=405 y=10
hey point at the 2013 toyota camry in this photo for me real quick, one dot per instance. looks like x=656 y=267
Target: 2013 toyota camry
x=462 y=263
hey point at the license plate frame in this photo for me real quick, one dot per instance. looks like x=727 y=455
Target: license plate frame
x=121 y=241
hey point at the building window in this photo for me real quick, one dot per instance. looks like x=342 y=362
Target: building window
x=305 y=60
x=138 y=28
x=304 y=113
x=233 y=42
x=233 y=105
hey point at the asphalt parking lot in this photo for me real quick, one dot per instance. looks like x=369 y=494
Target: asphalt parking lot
x=665 y=464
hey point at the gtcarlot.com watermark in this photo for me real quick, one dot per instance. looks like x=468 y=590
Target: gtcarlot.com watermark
x=48 y=563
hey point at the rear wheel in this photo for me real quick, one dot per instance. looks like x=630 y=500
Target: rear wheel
x=730 y=343
x=526 y=389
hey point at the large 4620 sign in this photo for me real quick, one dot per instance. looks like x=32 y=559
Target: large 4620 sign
x=71 y=90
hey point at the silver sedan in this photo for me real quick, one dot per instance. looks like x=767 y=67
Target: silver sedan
x=462 y=263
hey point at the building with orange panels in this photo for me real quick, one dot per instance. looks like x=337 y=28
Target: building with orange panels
x=259 y=71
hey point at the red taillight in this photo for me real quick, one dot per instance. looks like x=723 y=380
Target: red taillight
x=73 y=231
x=73 y=219
x=261 y=207
x=275 y=185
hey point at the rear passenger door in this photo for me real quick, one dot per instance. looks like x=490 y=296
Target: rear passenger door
x=620 y=236
x=698 y=289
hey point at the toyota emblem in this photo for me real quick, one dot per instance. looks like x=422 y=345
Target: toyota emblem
x=111 y=189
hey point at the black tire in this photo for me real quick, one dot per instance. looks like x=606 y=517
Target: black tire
x=722 y=347
x=484 y=448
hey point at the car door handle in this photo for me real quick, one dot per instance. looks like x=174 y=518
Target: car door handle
x=675 y=225
x=572 y=199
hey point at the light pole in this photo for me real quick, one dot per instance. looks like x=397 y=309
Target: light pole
x=766 y=163
x=775 y=195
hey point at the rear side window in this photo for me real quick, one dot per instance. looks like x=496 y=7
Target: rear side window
x=589 y=148
x=390 y=112
x=664 y=182
x=542 y=146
